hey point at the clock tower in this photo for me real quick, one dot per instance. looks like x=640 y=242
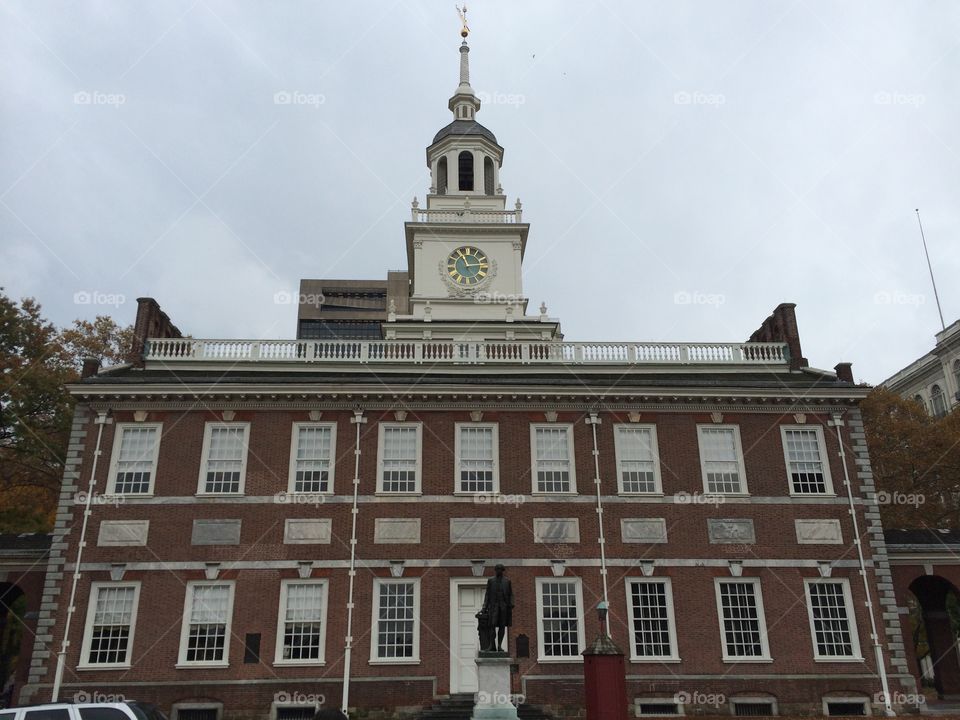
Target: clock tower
x=465 y=247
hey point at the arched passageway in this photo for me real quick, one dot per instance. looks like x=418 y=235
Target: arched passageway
x=935 y=630
x=12 y=611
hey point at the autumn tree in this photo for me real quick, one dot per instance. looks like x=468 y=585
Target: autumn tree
x=916 y=462
x=36 y=362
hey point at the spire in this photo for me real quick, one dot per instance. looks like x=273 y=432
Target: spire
x=464 y=103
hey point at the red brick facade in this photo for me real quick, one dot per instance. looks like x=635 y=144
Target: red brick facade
x=261 y=559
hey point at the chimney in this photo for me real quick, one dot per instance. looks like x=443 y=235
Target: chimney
x=781 y=326
x=91 y=366
x=844 y=372
x=151 y=322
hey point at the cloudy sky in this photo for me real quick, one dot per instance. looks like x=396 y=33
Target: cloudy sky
x=685 y=166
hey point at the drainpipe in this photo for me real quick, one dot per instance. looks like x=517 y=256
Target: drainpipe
x=358 y=419
x=838 y=422
x=100 y=420
x=593 y=421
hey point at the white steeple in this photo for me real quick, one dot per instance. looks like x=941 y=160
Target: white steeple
x=465 y=248
x=464 y=103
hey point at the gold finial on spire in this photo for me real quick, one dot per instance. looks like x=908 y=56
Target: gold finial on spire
x=462 y=12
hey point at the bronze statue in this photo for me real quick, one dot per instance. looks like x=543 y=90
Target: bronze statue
x=497 y=611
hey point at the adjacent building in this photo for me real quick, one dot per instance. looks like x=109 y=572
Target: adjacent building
x=934 y=379
x=250 y=528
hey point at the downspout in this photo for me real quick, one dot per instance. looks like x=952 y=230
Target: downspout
x=358 y=419
x=593 y=421
x=838 y=422
x=100 y=420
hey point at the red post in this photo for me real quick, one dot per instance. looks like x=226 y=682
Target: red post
x=604 y=678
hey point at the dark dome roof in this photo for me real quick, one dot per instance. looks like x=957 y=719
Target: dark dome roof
x=464 y=127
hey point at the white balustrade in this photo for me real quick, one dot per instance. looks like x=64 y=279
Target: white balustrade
x=448 y=352
x=466 y=215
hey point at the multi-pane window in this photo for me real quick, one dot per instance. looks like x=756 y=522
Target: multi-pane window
x=400 y=457
x=938 y=403
x=831 y=622
x=224 y=458
x=721 y=459
x=302 y=628
x=806 y=460
x=742 y=626
x=311 y=461
x=476 y=458
x=206 y=623
x=111 y=617
x=396 y=621
x=552 y=449
x=650 y=603
x=134 y=461
x=560 y=619
x=637 y=460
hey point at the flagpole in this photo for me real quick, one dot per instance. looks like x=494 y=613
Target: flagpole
x=933 y=282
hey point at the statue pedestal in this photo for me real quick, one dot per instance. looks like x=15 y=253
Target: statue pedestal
x=493 y=683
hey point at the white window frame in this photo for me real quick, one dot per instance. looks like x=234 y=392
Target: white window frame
x=671 y=621
x=494 y=428
x=824 y=459
x=374 y=632
x=857 y=655
x=658 y=485
x=381 y=432
x=95 y=588
x=761 y=619
x=118 y=432
x=294 y=443
x=738 y=446
x=185 y=625
x=581 y=643
x=281 y=621
x=204 y=457
x=533 y=457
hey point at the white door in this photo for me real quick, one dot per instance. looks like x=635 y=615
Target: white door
x=464 y=642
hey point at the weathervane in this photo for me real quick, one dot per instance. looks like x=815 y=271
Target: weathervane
x=462 y=12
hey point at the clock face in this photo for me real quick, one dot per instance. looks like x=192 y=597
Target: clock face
x=467 y=266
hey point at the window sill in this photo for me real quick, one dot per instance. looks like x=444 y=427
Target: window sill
x=623 y=493
x=201 y=666
x=88 y=668
x=813 y=495
x=110 y=497
x=384 y=493
x=570 y=493
x=567 y=660
x=838 y=659
x=748 y=661
x=219 y=495
x=299 y=663
x=650 y=660
x=404 y=661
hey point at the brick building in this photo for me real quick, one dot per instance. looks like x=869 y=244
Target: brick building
x=264 y=526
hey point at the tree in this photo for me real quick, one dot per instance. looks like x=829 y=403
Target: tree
x=37 y=361
x=916 y=462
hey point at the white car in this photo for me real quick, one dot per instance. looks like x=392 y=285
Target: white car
x=84 y=711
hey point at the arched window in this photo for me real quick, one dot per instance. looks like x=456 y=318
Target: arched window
x=956 y=374
x=488 y=187
x=465 y=162
x=442 y=176
x=937 y=402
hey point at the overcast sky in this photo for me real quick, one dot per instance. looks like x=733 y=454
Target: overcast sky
x=685 y=166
